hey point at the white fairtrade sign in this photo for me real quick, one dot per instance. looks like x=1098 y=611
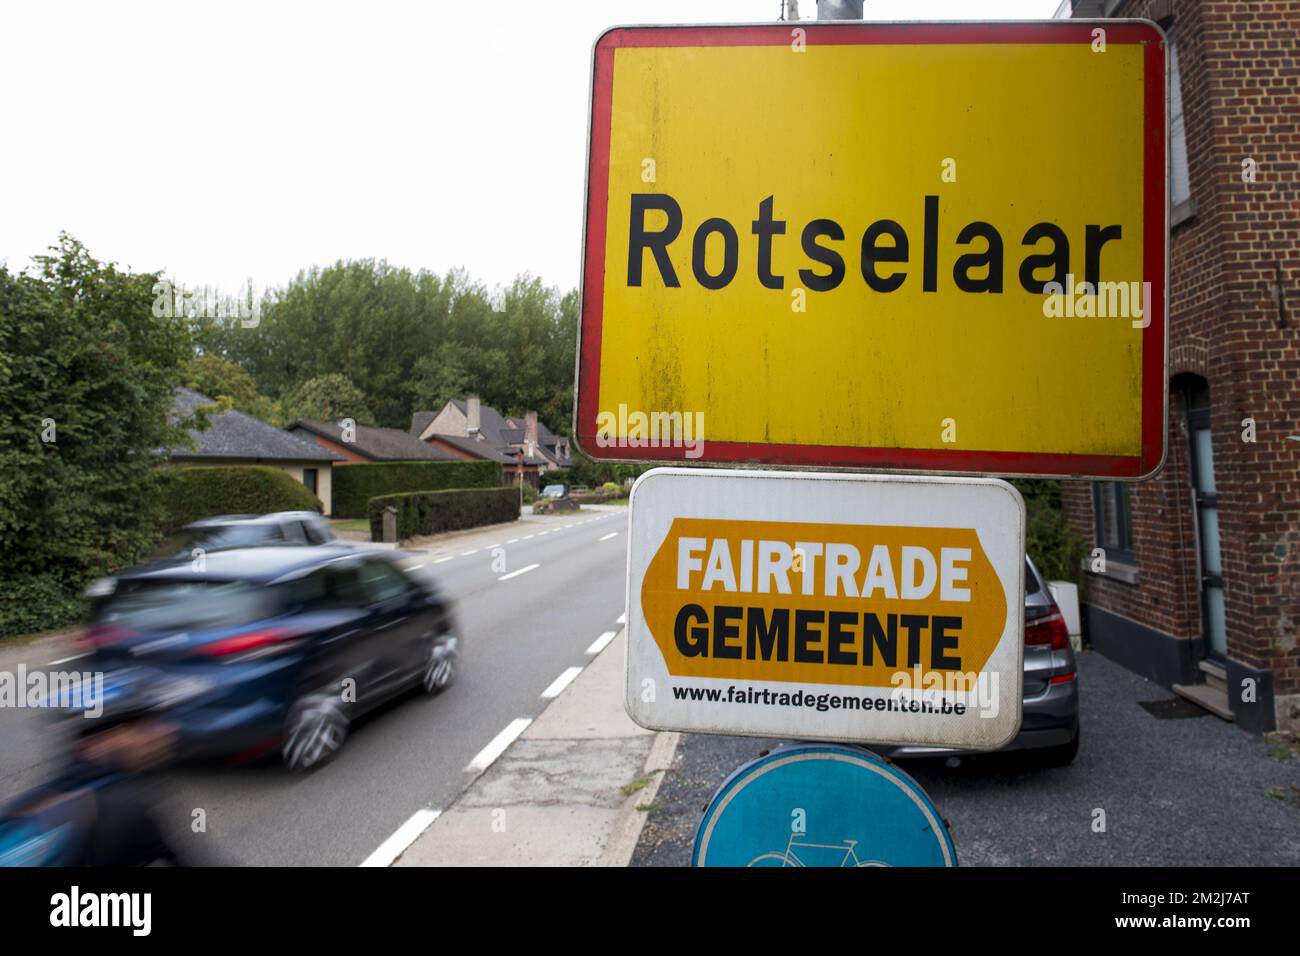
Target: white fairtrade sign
x=826 y=606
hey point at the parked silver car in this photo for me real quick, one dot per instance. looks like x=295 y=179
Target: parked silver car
x=1050 y=724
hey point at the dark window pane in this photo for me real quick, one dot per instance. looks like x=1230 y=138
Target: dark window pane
x=188 y=605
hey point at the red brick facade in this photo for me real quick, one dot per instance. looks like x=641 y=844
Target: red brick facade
x=1239 y=65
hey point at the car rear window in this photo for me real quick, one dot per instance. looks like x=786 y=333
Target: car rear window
x=187 y=605
x=237 y=536
x=1031 y=579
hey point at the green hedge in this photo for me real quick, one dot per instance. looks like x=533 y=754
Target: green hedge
x=354 y=485
x=188 y=494
x=431 y=512
x=1056 y=549
x=30 y=603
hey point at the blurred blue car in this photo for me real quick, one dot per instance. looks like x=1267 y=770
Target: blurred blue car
x=271 y=648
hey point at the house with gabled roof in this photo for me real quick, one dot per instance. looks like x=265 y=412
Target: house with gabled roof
x=470 y=429
x=237 y=438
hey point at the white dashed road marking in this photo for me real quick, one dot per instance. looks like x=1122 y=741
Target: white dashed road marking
x=561 y=682
x=515 y=574
x=488 y=755
x=64 y=660
x=600 y=643
x=406 y=834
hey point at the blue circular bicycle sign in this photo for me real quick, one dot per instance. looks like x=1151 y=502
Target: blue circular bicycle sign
x=821 y=805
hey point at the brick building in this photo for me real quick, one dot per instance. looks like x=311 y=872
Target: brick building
x=1200 y=589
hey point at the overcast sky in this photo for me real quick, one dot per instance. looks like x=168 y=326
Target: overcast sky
x=226 y=141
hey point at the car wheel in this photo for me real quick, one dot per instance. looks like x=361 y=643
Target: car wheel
x=315 y=729
x=440 y=666
x=1061 y=755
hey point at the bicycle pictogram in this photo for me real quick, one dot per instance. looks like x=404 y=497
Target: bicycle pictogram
x=792 y=858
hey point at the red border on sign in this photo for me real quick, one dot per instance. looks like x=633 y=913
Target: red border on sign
x=1154 y=244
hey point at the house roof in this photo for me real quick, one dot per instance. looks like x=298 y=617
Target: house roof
x=478 y=447
x=483 y=448
x=420 y=421
x=375 y=443
x=504 y=431
x=234 y=434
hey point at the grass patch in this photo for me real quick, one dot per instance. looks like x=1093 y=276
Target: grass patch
x=640 y=783
x=1291 y=796
x=647 y=807
x=351 y=524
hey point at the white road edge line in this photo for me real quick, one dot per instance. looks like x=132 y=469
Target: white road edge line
x=515 y=574
x=406 y=834
x=606 y=537
x=561 y=682
x=488 y=755
x=600 y=643
x=64 y=660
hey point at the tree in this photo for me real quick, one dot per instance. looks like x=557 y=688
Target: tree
x=87 y=380
x=409 y=340
x=1057 y=550
x=327 y=398
x=218 y=378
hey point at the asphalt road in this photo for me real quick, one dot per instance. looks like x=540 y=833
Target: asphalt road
x=524 y=626
x=1190 y=792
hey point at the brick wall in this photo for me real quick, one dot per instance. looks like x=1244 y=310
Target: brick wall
x=1240 y=70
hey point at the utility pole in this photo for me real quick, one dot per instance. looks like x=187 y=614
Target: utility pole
x=839 y=9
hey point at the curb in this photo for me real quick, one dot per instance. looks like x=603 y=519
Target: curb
x=560 y=774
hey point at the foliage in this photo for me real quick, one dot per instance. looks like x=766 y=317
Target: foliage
x=189 y=494
x=411 y=341
x=593 y=474
x=87 y=379
x=432 y=512
x=1056 y=549
x=30 y=603
x=354 y=485
x=327 y=398
x=219 y=378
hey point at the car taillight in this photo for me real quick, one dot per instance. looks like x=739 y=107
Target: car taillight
x=1050 y=630
x=251 y=644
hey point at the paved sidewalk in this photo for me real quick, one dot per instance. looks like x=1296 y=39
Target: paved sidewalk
x=571 y=791
x=452 y=542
